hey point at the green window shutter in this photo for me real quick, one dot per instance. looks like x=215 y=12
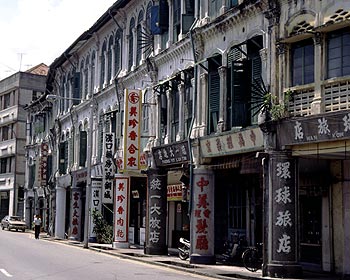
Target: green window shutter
x=255 y=83
x=83 y=148
x=239 y=83
x=214 y=100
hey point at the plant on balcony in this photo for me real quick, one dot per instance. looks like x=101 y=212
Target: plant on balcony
x=104 y=231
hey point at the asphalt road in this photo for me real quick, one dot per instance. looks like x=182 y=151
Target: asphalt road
x=24 y=257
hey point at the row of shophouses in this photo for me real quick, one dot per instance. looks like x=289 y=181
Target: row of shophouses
x=201 y=119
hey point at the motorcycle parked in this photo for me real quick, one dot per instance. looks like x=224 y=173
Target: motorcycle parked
x=184 y=249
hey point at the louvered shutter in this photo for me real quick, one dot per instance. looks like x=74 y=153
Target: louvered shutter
x=83 y=148
x=255 y=83
x=76 y=90
x=214 y=100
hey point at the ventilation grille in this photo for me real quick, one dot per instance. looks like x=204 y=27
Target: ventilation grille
x=339 y=16
x=337 y=96
x=300 y=105
x=302 y=27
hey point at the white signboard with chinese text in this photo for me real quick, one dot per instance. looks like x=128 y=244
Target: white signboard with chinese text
x=133 y=101
x=121 y=210
x=96 y=192
x=108 y=167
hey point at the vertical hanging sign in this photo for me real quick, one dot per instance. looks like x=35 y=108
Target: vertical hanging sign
x=76 y=214
x=108 y=168
x=95 y=202
x=121 y=210
x=43 y=163
x=132 y=129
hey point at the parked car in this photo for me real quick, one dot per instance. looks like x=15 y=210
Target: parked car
x=13 y=222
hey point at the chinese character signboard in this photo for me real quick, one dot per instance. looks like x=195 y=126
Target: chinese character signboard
x=326 y=127
x=96 y=190
x=43 y=163
x=283 y=206
x=174 y=192
x=76 y=214
x=233 y=143
x=108 y=168
x=121 y=209
x=157 y=207
x=133 y=101
x=203 y=213
x=173 y=154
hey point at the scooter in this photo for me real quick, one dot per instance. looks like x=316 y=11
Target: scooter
x=184 y=249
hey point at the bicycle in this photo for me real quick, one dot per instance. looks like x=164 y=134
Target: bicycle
x=252 y=258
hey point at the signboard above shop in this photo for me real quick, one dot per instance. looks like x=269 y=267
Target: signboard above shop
x=173 y=154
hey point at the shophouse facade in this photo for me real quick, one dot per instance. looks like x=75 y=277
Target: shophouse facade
x=16 y=91
x=163 y=110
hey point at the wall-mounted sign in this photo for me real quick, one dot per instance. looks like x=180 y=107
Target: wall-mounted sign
x=121 y=209
x=76 y=214
x=325 y=127
x=43 y=163
x=108 y=168
x=173 y=154
x=96 y=204
x=174 y=192
x=232 y=143
x=132 y=135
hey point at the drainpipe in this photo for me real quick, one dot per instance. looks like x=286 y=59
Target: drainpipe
x=194 y=105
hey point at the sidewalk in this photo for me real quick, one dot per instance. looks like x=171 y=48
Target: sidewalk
x=217 y=271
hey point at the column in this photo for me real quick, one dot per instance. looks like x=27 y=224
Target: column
x=346 y=218
x=202 y=217
x=105 y=82
x=316 y=105
x=156 y=238
x=281 y=242
x=60 y=212
x=223 y=99
x=168 y=135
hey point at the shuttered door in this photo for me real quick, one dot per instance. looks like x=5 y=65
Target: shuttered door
x=83 y=148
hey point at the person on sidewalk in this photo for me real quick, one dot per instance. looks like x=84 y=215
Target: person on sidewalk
x=37 y=226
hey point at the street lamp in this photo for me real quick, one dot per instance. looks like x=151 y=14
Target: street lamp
x=53 y=98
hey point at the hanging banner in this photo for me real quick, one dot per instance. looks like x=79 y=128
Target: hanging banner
x=132 y=111
x=121 y=210
x=43 y=163
x=96 y=187
x=108 y=168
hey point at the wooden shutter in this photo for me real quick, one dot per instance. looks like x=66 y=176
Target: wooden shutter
x=214 y=99
x=255 y=83
x=83 y=148
x=76 y=90
x=62 y=168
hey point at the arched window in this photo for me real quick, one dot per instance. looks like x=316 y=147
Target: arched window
x=93 y=65
x=117 y=50
x=82 y=146
x=109 y=57
x=86 y=78
x=103 y=63
x=131 y=43
x=139 y=38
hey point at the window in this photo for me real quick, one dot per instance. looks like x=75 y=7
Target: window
x=93 y=61
x=5 y=133
x=109 y=57
x=338 y=53
x=100 y=135
x=4 y=165
x=146 y=112
x=117 y=50
x=302 y=62
x=139 y=38
x=215 y=6
x=82 y=148
x=188 y=100
x=103 y=63
x=176 y=19
x=86 y=78
x=214 y=92
x=131 y=44
x=63 y=157
x=237 y=209
x=175 y=107
x=7 y=100
x=163 y=100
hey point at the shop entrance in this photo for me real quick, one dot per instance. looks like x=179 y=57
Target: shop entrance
x=311 y=229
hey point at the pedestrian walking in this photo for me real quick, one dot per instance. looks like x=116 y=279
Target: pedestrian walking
x=37 y=226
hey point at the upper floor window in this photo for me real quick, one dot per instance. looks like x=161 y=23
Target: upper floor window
x=7 y=100
x=175 y=109
x=86 y=77
x=214 y=8
x=188 y=101
x=146 y=112
x=63 y=156
x=103 y=63
x=214 y=92
x=338 y=53
x=109 y=58
x=139 y=38
x=82 y=147
x=6 y=165
x=131 y=44
x=93 y=70
x=302 y=56
x=176 y=19
x=117 y=50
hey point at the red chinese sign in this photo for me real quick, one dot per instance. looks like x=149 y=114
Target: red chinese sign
x=202 y=213
x=121 y=209
x=132 y=129
x=43 y=163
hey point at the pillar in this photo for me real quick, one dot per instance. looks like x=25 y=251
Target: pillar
x=202 y=217
x=346 y=218
x=281 y=204
x=223 y=99
x=60 y=212
x=156 y=241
